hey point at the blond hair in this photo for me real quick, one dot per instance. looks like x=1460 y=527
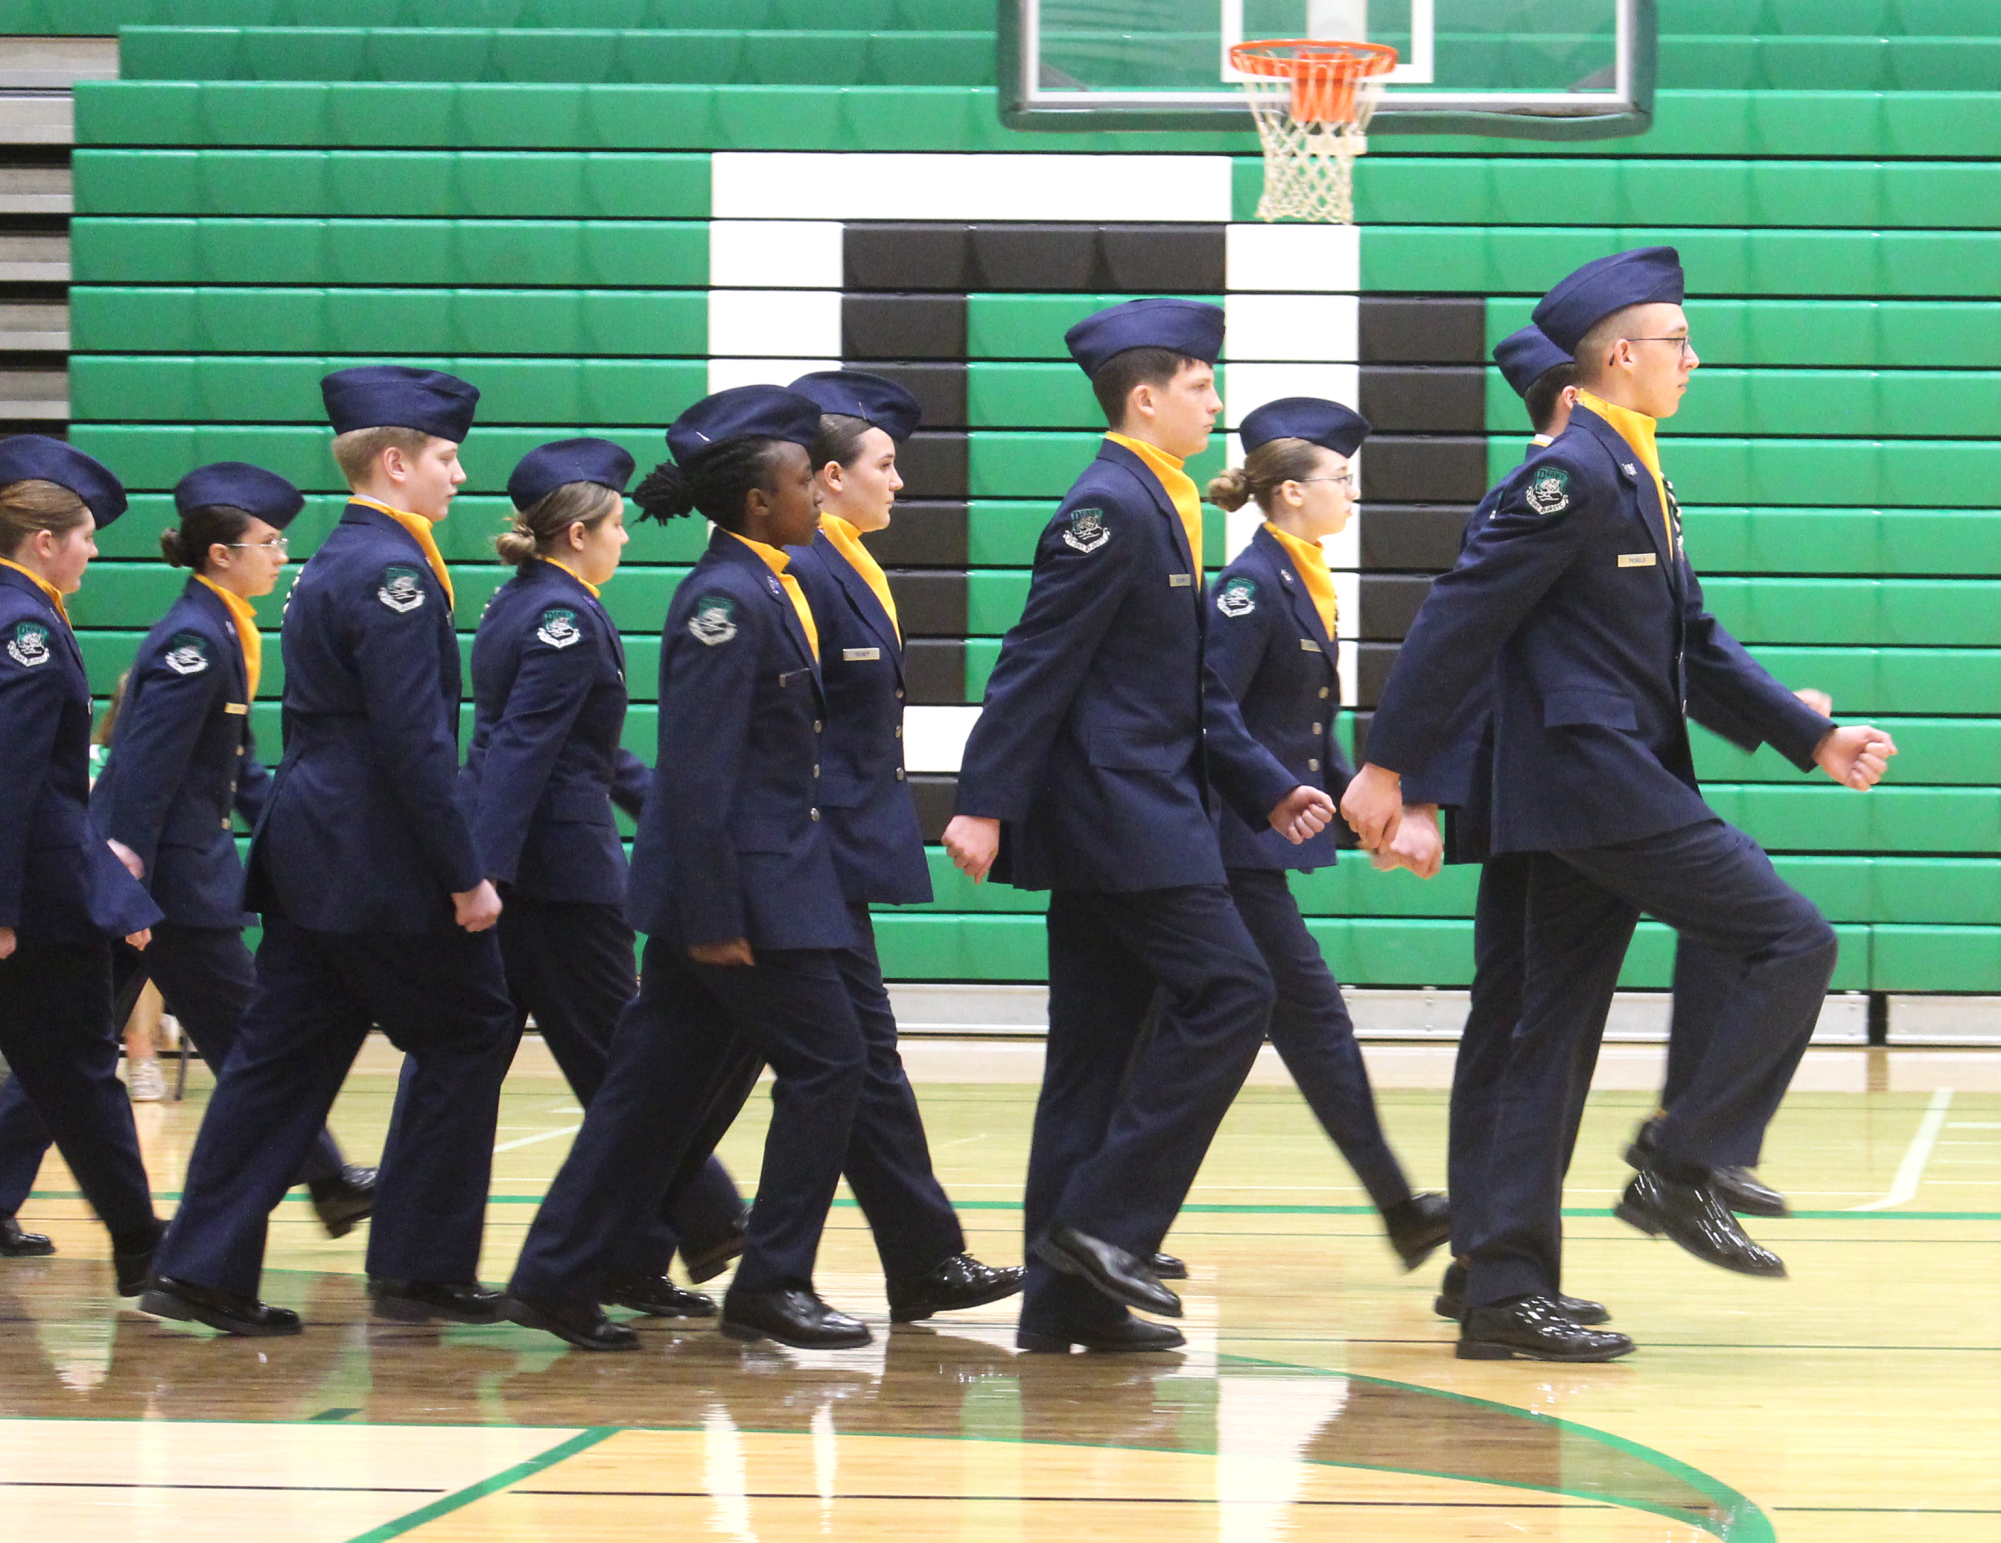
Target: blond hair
x=33 y=504
x=357 y=451
x=1274 y=462
x=537 y=529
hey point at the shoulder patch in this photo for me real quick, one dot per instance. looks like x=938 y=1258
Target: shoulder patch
x=1549 y=490
x=28 y=644
x=187 y=653
x=1087 y=530
x=1238 y=596
x=714 y=620
x=402 y=588
x=559 y=627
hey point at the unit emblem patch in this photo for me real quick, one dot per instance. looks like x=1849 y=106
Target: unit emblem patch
x=1549 y=491
x=1239 y=597
x=29 y=646
x=1087 y=530
x=187 y=653
x=559 y=627
x=714 y=620
x=402 y=588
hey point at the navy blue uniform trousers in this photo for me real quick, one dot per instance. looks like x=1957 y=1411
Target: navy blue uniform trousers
x=57 y=1034
x=1500 y=917
x=440 y=998
x=673 y=1082
x=1711 y=883
x=206 y=976
x=1313 y=1034
x=1131 y=1099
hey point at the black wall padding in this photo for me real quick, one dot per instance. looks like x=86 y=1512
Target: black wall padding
x=903 y=327
x=934 y=671
x=934 y=797
x=922 y=534
x=1438 y=470
x=1406 y=399
x=1022 y=258
x=1390 y=602
x=1415 y=537
x=1422 y=331
x=940 y=390
x=933 y=465
x=931 y=605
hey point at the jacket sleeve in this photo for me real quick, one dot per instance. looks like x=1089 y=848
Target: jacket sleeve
x=253 y=783
x=1243 y=771
x=550 y=686
x=31 y=708
x=1073 y=598
x=631 y=781
x=410 y=727
x=1733 y=694
x=154 y=745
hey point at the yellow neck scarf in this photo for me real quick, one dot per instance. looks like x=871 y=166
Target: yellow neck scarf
x=420 y=529
x=778 y=562
x=54 y=594
x=1309 y=561
x=848 y=542
x=246 y=633
x=1637 y=430
x=553 y=563
x=1180 y=490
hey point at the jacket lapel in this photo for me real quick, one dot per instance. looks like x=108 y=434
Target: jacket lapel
x=1135 y=468
x=862 y=598
x=208 y=600
x=1304 y=611
x=1640 y=480
x=730 y=549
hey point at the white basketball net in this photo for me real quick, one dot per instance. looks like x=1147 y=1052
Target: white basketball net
x=1309 y=164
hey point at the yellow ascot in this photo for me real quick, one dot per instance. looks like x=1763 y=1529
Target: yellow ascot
x=55 y=595
x=1309 y=561
x=778 y=562
x=848 y=542
x=420 y=529
x=1180 y=490
x=245 y=617
x=1637 y=430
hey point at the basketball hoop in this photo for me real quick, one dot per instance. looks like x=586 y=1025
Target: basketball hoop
x=1312 y=101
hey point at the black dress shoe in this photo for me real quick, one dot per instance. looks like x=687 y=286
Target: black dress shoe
x=707 y=1263
x=16 y=1244
x=1418 y=1227
x=186 y=1302
x=1451 y=1301
x=1696 y=1218
x=796 y=1318
x=344 y=1200
x=583 y=1325
x=1119 y=1275
x=132 y=1262
x=1531 y=1329
x=1167 y=1267
x=422 y=1301
x=1738 y=1188
x=1132 y=1336
x=656 y=1296
x=961 y=1281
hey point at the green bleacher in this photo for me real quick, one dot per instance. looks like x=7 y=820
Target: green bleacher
x=520 y=189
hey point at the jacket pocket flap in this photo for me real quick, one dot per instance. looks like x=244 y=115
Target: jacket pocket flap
x=1134 y=752
x=1606 y=709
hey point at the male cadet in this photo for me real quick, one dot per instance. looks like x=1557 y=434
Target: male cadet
x=1087 y=775
x=374 y=907
x=1577 y=596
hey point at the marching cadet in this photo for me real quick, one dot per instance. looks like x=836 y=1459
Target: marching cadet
x=1273 y=642
x=1087 y=774
x=878 y=846
x=182 y=761
x=1578 y=598
x=375 y=909
x=64 y=895
x=734 y=883
x=545 y=767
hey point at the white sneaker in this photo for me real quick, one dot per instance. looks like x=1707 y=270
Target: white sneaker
x=147 y=1082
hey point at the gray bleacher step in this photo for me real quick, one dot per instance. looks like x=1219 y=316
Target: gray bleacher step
x=55 y=63
x=34 y=258
x=33 y=328
x=35 y=189
x=42 y=395
x=37 y=118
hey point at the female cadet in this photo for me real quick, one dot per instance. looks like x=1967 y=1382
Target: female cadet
x=1272 y=637
x=64 y=896
x=181 y=762
x=872 y=823
x=546 y=765
x=733 y=881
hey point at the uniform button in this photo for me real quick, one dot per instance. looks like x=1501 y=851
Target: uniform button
x=239 y=750
x=1318 y=728
x=815 y=813
x=899 y=693
x=816 y=725
x=899 y=731
x=225 y=822
x=1323 y=693
x=816 y=770
x=1313 y=765
x=899 y=774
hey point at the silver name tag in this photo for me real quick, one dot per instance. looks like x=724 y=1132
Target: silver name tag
x=1180 y=580
x=1636 y=559
x=1311 y=647
x=860 y=655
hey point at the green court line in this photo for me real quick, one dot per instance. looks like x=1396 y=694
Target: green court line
x=506 y=1478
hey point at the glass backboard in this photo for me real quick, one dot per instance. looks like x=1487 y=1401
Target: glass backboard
x=1552 y=69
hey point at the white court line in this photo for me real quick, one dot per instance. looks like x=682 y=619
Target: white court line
x=1911 y=1172
x=529 y=1141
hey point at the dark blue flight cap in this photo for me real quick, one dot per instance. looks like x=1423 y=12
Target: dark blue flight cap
x=1647 y=275
x=1185 y=327
x=378 y=396
x=744 y=412
x=557 y=464
x=36 y=457
x=1315 y=419
x=1526 y=356
x=859 y=394
x=239 y=485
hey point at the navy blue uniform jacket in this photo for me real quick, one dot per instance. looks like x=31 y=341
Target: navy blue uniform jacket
x=362 y=830
x=732 y=843
x=1590 y=625
x=864 y=798
x=59 y=882
x=1270 y=649
x=182 y=761
x=548 y=687
x=1104 y=720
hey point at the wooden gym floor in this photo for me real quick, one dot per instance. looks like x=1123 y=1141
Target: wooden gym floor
x=1318 y=1396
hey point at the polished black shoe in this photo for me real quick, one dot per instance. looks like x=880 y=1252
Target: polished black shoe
x=16 y=1244
x=344 y=1200
x=1418 y=1227
x=583 y=1325
x=423 y=1301
x=1133 y=1336
x=796 y=1318
x=959 y=1282
x=1738 y=1188
x=1696 y=1218
x=657 y=1297
x=1532 y=1329
x=133 y=1263
x=1167 y=1267
x=1121 y=1276
x=165 y=1297
x=1451 y=1301
x=707 y=1263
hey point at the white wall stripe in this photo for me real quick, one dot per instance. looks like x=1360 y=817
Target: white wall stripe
x=934 y=738
x=775 y=254
x=1294 y=258
x=725 y=373
x=775 y=323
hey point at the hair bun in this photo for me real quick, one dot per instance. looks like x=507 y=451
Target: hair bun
x=172 y=548
x=1229 y=489
x=516 y=545
x=664 y=494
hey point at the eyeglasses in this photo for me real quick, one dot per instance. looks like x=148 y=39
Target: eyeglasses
x=1346 y=476
x=1687 y=352
x=275 y=544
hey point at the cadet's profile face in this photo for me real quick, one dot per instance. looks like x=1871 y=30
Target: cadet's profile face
x=594 y=550
x=1657 y=359
x=1320 y=504
x=863 y=491
x=786 y=511
x=429 y=480
x=249 y=565
x=1181 y=413
x=63 y=558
